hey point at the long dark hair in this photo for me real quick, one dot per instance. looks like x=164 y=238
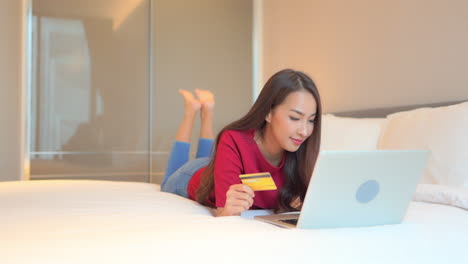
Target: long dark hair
x=299 y=165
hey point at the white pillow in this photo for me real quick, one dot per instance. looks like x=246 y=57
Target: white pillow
x=443 y=131
x=442 y=194
x=345 y=133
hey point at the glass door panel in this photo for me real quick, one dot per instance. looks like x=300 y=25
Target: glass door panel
x=89 y=92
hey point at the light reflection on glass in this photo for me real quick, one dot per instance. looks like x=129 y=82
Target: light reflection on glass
x=89 y=88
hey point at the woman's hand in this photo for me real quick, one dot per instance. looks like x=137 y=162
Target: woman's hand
x=239 y=198
x=296 y=204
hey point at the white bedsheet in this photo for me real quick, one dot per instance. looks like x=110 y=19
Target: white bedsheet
x=121 y=222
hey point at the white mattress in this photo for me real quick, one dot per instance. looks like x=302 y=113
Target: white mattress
x=121 y=222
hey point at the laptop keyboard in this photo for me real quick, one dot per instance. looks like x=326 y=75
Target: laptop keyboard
x=289 y=221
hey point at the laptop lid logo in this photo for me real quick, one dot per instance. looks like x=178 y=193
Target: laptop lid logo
x=367 y=191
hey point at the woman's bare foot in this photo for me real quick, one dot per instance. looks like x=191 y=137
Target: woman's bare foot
x=206 y=98
x=192 y=105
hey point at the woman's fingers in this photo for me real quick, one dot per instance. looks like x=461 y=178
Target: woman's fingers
x=240 y=195
x=241 y=191
x=240 y=202
x=242 y=188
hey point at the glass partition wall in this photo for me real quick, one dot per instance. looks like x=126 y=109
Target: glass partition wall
x=104 y=79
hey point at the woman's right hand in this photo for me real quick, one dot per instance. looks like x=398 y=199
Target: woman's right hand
x=239 y=198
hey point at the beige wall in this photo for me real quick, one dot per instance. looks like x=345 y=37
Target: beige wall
x=366 y=54
x=10 y=89
x=204 y=44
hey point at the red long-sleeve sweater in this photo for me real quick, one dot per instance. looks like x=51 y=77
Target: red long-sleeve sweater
x=238 y=153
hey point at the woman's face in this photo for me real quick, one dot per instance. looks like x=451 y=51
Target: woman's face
x=292 y=122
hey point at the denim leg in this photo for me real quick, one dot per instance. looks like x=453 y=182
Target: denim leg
x=177 y=183
x=204 y=147
x=178 y=157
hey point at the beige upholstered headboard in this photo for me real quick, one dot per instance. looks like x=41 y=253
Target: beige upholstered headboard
x=383 y=112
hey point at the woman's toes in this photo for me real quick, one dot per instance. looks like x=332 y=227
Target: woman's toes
x=190 y=102
x=206 y=98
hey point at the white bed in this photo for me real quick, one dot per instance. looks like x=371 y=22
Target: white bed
x=121 y=222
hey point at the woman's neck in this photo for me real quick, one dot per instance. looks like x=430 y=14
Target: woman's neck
x=268 y=147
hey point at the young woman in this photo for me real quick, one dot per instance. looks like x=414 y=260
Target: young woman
x=280 y=134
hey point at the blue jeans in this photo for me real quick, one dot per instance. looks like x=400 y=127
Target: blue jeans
x=180 y=170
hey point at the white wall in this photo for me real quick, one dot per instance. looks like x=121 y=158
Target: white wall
x=367 y=54
x=10 y=89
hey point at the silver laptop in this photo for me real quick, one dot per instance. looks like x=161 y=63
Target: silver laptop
x=357 y=188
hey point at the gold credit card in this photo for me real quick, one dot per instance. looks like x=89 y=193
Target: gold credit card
x=259 y=181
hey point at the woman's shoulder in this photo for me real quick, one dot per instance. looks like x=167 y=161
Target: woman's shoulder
x=238 y=141
x=244 y=135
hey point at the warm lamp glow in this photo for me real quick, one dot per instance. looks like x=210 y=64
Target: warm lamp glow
x=123 y=11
